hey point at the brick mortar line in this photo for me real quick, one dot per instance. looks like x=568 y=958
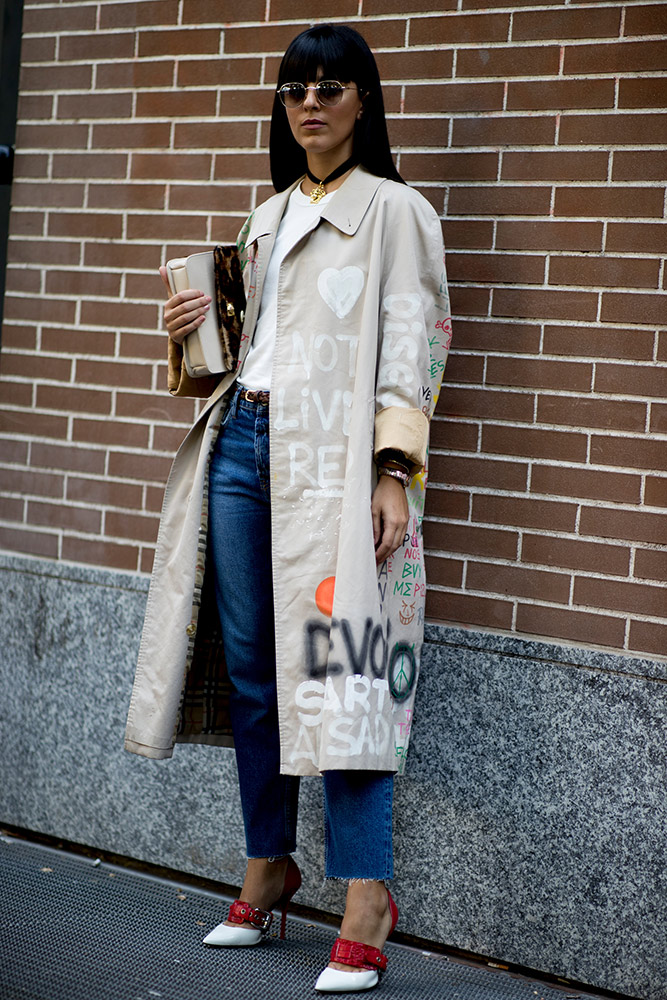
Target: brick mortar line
x=524 y=287
x=628 y=546
x=575 y=323
x=230 y=213
x=573 y=535
x=544 y=602
x=387 y=81
x=574 y=575
x=571 y=147
x=615 y=220
x=570 y=431
x=628 y=616
x=578 y=254
x=523 y=389
x=150 y=423
x=83 y=535
x=389 y=16
x=593 y=289
x=253 y=151
x=569 y=536
x=508 y=182
x=564 y=464
x=569 y=464
x=456 y=46
x=111 y=449
x=565 y=394
x=529 y=494
x=512 y=388
x=454 y=251
x=595 y=255
x=471 y=81
x=537 y=602
x=95 y=477
x=416 y=117
x=609 y=5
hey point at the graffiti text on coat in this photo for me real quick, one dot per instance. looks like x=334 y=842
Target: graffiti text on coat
x=324 y=352
x=367 y=652
x=370 y=652
x=400 y=338
x=353 y=722
x=319 y=467
x=332 y=413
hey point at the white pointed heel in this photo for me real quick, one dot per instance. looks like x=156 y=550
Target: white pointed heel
x=335 y=981
x=366 y=961
x=233 y=937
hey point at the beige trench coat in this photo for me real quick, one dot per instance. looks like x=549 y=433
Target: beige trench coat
x=362 y=337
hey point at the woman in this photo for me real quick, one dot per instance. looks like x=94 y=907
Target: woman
x=297 y=500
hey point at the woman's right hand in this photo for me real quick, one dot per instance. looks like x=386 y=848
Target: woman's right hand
x=185 y=311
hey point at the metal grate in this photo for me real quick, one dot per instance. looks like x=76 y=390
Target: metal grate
x=75 y=929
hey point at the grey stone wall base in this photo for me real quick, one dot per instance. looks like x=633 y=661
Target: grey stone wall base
x=530 y=823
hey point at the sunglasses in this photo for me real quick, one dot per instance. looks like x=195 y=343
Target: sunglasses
x=327 y=93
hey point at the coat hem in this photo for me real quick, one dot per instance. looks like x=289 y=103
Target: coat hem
x=144 y=750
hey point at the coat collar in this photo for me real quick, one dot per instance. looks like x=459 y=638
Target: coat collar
x=345 y=213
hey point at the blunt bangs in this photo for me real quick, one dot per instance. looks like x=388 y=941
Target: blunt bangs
x=330 y=53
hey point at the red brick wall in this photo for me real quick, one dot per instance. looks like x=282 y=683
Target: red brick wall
x=539 y=134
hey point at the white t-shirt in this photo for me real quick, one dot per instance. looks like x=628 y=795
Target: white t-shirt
x=297 y=219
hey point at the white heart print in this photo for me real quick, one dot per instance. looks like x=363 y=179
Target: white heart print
x=341 y=289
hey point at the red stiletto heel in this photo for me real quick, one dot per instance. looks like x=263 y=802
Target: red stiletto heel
x=369 y=962
x=240 y=913
x=292 y=886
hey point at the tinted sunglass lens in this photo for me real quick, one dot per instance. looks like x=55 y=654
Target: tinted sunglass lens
x=292 y=94
x=329 y=93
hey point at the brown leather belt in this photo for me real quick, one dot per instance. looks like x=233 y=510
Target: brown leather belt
x=255 y=396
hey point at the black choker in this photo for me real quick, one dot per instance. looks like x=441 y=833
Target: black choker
x=319 y=192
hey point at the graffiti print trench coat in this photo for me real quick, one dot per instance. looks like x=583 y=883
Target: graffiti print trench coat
x=362 y=335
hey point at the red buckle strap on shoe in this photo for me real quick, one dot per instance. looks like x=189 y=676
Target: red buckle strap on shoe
x=358 y=955
x=240 y=912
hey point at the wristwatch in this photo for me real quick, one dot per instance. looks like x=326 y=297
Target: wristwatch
x=402 y=477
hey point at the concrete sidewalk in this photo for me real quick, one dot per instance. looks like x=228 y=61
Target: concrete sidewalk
x=72 y=928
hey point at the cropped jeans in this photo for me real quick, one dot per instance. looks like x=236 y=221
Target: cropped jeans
x=357 y=804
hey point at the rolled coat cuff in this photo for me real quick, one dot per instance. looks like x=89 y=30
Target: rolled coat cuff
x=402 y=429
x=180 y=383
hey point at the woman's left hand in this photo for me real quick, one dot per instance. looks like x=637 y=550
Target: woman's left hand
x=389 y=507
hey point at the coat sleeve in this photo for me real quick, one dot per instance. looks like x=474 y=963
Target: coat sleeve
x=180 y=383
x=414 y=327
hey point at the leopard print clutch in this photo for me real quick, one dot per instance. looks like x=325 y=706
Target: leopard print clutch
x=230 y=302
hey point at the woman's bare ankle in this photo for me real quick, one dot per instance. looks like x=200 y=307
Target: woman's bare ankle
x=263 y=882
x=367 y=917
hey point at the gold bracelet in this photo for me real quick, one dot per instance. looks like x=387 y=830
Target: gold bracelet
x=390 y=459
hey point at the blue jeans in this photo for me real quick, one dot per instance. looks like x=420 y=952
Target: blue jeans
x=357 y=804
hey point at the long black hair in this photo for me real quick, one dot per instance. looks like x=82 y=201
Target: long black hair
x=341 y=54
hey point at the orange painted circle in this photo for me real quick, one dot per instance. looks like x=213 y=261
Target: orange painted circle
x=324 y=595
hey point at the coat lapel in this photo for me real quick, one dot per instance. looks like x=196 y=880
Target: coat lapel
x=347 y=213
